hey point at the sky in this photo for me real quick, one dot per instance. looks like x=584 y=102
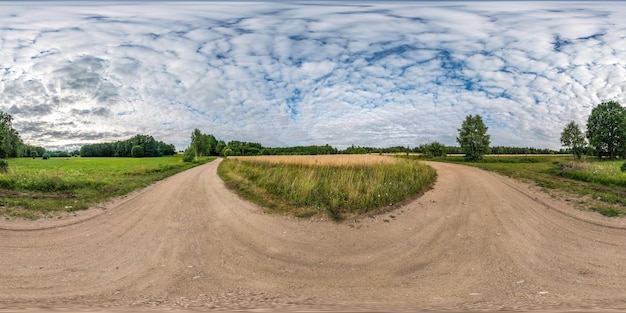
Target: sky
x=287 y=73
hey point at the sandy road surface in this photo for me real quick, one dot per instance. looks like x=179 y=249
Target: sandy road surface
x=476 y=241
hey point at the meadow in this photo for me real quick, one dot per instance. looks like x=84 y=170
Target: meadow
x=598 y=185
x=34 y=188
x=339 y=185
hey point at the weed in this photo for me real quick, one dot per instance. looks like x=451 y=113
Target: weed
x=334 y=213
x=607 y=211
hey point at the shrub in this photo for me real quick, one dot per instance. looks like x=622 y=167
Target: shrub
x=137 y=151
x=4 y=166
x=46 y=156
x=434 y=149
x=623 y=167
x=226 y=152
x=189 y=155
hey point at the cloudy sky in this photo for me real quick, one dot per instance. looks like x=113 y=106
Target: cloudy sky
x=374 y=73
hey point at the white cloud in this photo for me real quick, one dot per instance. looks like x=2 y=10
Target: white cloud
x=286 y=73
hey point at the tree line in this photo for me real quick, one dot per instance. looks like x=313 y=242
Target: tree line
x=605 y=135
x=436 y=149
x=137 y=146
x=207 y=145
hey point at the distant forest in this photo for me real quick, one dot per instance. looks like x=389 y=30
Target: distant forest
x=137 y=146
x=208 y=145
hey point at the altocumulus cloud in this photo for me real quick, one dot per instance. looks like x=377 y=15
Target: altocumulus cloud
x=287 y=73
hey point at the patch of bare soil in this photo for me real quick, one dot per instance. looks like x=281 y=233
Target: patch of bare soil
x=477 y=241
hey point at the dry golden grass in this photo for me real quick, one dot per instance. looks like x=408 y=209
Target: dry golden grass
x=337 y=184
x=335 y=159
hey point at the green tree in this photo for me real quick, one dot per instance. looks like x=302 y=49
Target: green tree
x=10 y=142
x=227 y=151
x=137 y=151
x=606 y=129
x=573 y=138
x=219 y=147
x=434 y=149
x=473 y=138
x=211 y=145
x=197 y=143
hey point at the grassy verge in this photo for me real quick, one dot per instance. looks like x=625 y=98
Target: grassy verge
x=598 y=184
x=310 y=187
x=34 y=188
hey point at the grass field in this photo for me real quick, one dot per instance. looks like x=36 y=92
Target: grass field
x=34 y=188
x=599 y=184
x=340 y=185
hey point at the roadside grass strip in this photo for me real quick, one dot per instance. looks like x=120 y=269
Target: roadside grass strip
x=35 y=188
x=599 y=184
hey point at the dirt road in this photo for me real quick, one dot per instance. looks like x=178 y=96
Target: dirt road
x=476 y=241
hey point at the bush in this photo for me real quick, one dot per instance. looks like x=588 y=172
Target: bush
x=623 y=167
x=226 y=152
x=136 y=152
x=4 y=166
x=434 y=149
x=189 y=155
x=188 y=158
x=46 y=156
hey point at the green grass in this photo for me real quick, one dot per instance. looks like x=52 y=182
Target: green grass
x=34 y=188
x=340 y=190
x=600 y=183
x=606 y=173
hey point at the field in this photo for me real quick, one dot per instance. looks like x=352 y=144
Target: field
x=599 y=185
x=34 y=188
x=334 y=159
x=340 y=185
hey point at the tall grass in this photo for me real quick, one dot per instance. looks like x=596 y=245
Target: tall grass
x=606 y=173
x=339 y=185
x=33 y=188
